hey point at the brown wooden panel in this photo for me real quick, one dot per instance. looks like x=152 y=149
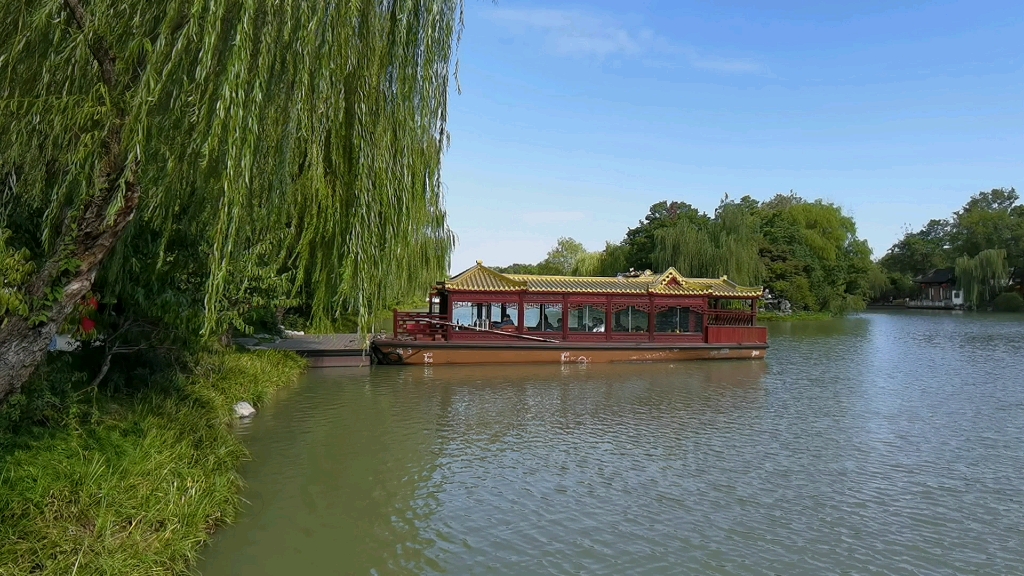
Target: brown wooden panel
x=638 y=299
x=484 y=297
x=543 y=297
x=630 y=336
x=474 y=336
x=587 y=299
x=737 y=334
x=683 y=338
x=587 y=337
x=411 y=353
x=686 y=302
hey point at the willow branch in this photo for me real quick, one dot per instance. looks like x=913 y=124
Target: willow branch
x=100 y=52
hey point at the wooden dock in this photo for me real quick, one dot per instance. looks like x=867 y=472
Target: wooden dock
x=326 y=350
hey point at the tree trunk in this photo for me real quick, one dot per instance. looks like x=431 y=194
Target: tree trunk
x=22 y=346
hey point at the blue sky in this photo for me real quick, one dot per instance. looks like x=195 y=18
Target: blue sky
x=575 y=117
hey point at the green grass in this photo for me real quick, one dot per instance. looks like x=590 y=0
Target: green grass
x=139 y=486
x=775 y=316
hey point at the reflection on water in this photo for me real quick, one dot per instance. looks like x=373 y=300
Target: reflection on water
x=884 y=443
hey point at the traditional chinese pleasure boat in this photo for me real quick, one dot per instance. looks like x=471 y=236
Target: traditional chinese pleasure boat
x=482 y=316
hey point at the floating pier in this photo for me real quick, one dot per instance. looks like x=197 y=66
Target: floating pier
x=326 y=350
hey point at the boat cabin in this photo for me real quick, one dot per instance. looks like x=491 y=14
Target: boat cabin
x=483 y=305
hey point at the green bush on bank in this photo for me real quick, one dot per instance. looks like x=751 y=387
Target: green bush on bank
x=129 y=483
x=1008 y=302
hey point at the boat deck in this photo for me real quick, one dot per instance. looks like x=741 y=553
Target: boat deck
x=326 y=350
x=434 y=352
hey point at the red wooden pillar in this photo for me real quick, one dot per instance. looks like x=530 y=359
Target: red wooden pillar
x=704 y=320
x=650 y=318
x=565 y=317
x=522 y=313
x=609 y=318
x=451 y=317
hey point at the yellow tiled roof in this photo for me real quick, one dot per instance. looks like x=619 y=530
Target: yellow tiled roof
x=482 y=279
x=722 y=287
x=583 y=284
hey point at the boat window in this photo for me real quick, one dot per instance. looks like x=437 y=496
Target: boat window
x=542 y=317
x=504 y=315
x=629 y=319
x=485 y=315
x=677 y=319
x=587 y=318
x=463 y=313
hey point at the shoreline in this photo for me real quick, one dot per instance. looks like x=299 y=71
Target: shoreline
x=140 y=484
x=794 y=317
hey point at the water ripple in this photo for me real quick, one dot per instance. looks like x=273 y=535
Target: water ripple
x=880 y=444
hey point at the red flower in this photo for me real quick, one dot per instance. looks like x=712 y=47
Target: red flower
x=92 y=303
x=88 y=325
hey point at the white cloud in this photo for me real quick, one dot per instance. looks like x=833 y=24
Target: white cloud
x=573 y=33
x=726 y=65
x=576 y=33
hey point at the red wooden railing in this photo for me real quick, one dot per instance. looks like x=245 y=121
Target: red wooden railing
x=419 y=326
x=730 y=318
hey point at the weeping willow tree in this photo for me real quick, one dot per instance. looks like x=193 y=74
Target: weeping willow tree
x=321 y=124
x=607 y=262
x=981 y=278
x=724 y=246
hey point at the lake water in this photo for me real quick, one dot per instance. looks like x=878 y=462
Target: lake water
x=884 y=443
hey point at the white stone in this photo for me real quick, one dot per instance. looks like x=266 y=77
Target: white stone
x=244 y=410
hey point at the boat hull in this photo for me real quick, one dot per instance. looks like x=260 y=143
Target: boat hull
x=438 y=353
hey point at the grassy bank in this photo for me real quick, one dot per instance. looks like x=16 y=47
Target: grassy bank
x=794 y=316
x=135 y=482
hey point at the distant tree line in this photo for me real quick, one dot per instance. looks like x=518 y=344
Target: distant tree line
x=983 y=242
x=808 y=252
x=804 y=251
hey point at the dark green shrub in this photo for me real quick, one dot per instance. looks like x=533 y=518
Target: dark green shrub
x=1008 y=302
